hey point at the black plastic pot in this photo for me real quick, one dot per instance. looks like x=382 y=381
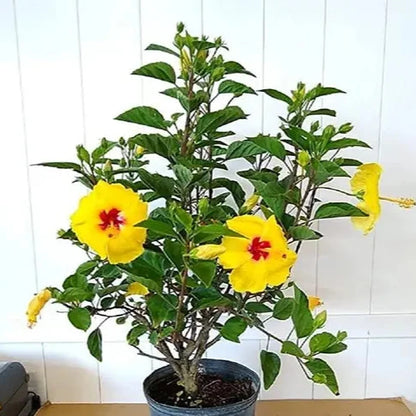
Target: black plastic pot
x=225 y=369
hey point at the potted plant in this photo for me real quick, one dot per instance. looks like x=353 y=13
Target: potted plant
x=209 y=260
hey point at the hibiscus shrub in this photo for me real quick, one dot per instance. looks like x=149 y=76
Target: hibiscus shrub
x=209 y=261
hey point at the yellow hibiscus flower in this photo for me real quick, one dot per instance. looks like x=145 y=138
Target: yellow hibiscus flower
x=260 y=258
x=136 y=288
x=36 y=305
x=365 y=185
x=207 y=251
x=105 y=220
x=314 y=302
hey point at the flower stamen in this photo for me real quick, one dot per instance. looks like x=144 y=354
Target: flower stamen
x=401 y=202
x=112 y=218
x=258 y=249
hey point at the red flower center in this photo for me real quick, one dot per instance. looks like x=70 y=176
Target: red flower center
x=112 y=218
x=257 y=248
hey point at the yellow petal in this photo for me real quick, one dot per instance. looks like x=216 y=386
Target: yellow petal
x=207 y=251
x=249 y=226
x=278 y=276
x=126 y=246
x=249 y=277
x=314 y=302
x=36 y=305
x=136 y=288
x=273 y=232
x=236 y=252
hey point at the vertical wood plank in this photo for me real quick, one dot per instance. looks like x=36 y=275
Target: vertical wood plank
x=31 y=356
x=122 y=374
x=52 y=96
x=359 y=40
x=71 y=373
x=110 y=51
x=395 y=231
x=16 y=243
x=391 y=364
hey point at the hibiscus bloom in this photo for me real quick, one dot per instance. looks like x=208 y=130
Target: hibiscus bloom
x=365 y=185
x=105 y=220
x=36 y=305
x=314 y=302
x=260 y=257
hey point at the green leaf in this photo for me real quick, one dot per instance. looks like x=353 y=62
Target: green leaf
x=76 y=280
x=74 y=294
x=233 y=328
x=320 y=91
x=155 y=47
x=299 y=138
x=158 y=70
x=301 y=316
x=80 y=318
x=322 y=112
x=204 y=270
x=335 y=349
x=257 y=307
x=243 y=148
x=156 y=143
x=61 y=165
x=210 y=122
x=83 y=154
x=234 y=87
x=338 y=209
x=272 y=145
x=233 y=186
x=232 y=67
x=87 y=267
x=159 y=227
x=163 y=185
x=174 y=251
x=183 y=174
x=290 y=348
x=344 y=143
x=321 y=342
x=340 y=161
x=212 y=232
x=283 y=308
x=270 y=365
x=135 y=333
x=320 y=319
x=325 y=374
x=302 y=232
x=146 y=116
x=158 y=308
x=278 y=95
x=94 y=343
x=208 y=297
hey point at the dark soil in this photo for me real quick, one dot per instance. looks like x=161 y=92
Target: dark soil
x=213 y=391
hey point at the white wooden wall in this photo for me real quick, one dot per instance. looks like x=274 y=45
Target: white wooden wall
x=64 y=75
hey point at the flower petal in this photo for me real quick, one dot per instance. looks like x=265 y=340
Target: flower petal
x=137 y=288
x=273 y=232
x=236 y=252
x=249 y=277
x=249 y=226
x=126 y=246
x=278 y=276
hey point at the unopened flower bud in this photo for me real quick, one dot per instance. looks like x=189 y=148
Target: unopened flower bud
x=314 y=302
x=303 y=158
x=207 y=251
x=139 y=151
x=345 y=128
x=108 y=167
x=250 y=203
x=185 y=62
x=180 y=26
x=137 y=288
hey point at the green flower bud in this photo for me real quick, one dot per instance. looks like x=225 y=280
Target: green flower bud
x=303 y=158
x=180 y=27
x=108 y=167
x=345 y=128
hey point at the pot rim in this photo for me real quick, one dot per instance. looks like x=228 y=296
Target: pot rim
x=243 y=403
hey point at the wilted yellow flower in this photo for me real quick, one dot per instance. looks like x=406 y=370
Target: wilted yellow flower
x=207 y=251
x=105 y=220
x=260 y=258
x=139 y=150
x=250 y=203
x=136 y=288
x=365 y=185
x=36 y=305
x=314 y=302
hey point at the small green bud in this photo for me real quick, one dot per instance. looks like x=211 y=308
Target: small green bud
x=314 y=126
x=180 y=27
x=122 y=163
x=303 y=158
x=61 y=232
x=345 y=128
x=122 y=141
x=83 y=154
x=329 y=132
x=218 y=73
x=108 y=167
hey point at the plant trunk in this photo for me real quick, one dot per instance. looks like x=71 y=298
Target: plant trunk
x=188 y=374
